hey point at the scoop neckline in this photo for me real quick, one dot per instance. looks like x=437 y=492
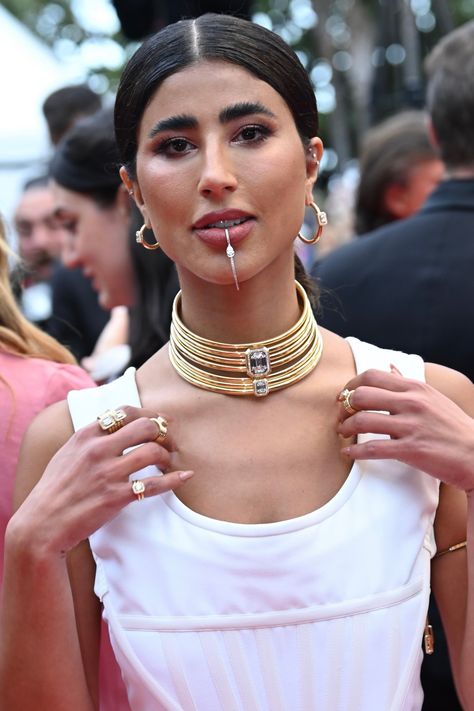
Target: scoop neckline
x=273 y=528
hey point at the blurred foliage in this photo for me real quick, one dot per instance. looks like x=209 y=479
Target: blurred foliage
x=364 y=56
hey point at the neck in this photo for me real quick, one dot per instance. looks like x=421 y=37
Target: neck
x=261 y=309
x=247 y=369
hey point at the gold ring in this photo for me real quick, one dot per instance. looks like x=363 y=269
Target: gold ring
x=111 y=420
x=138 y=488
x=162 y=425
x=345 y=397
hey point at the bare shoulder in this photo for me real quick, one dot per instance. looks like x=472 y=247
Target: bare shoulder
x=47 y=433
x=453 y=384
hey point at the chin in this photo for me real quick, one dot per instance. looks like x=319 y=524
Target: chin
x=105 y=301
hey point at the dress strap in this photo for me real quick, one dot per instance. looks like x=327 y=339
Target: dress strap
x=85 y=405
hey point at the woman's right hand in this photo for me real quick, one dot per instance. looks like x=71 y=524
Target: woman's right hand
x=86 y=483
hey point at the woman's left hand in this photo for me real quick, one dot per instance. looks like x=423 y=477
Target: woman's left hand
x=427 y=430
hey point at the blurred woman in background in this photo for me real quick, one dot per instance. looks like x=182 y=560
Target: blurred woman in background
x=35 y=371
x=101 y=220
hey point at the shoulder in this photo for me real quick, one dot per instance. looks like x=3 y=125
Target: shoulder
x=61 y=378
x=41 y=379
x=456 y=386
x=355 y=254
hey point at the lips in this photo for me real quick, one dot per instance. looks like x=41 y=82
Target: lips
x=214 y=219
x=211 y=227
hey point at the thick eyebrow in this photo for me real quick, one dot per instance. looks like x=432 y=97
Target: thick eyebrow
x=184 y=121
x=173 y=123
x=244 y=108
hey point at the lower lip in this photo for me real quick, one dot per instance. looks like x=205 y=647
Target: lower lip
x=215 y=236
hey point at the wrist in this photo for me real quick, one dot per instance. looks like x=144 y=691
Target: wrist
x=26 y=541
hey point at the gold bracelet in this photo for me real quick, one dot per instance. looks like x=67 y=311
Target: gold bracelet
x=451 y=549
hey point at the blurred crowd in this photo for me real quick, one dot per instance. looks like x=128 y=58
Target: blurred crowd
x=394 y=267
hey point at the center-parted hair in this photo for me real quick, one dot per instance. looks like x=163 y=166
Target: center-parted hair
x=210 y=37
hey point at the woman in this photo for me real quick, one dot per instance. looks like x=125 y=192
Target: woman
x=101 y=220
x=281 y=574
x=35 y=371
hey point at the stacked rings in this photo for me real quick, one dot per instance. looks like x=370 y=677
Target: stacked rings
x=111 y=420
x=345 y=398
x=138 y=488
x=162 y=425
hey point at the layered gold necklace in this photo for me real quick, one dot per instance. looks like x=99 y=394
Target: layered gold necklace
x=247 y=368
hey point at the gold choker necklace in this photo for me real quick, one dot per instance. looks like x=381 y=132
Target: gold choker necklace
x=247 y=368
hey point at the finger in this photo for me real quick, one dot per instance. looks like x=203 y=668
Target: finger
x=371 y=423
x=153 y=486
x=379 y=379
x=146 y=455
x=373 y=398
x=374 y=449
x=140 y=427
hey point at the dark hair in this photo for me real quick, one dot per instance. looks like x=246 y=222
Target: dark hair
x=389 y=152
x=63 y=107
x=86 y=161
x=220 y=37
x=156 y=285
x=450 y=95
x=212 y=37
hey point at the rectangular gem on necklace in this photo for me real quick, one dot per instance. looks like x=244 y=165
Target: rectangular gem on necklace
x=258 y=362
x=260 y=387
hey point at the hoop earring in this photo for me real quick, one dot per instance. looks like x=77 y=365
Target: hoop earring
x=322 y=220
x=141 y=240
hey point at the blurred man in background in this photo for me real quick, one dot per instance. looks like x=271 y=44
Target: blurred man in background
x=409 y=285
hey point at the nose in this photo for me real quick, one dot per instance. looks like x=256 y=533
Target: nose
x=218 y=175
x=41 y=237
x=69 y=254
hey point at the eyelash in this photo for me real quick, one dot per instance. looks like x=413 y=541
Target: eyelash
x=168 y=144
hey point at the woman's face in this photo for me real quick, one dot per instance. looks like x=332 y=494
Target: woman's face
x=97 y=240
x=218 y=148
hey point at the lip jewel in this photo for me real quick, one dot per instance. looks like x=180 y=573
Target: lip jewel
x=230 y=252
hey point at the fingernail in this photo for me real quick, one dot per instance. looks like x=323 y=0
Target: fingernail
x=185 y=475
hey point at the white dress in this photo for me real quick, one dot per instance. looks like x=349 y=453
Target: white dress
x=322 y=612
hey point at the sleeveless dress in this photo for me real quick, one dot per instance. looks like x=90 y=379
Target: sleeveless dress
x=321 y=612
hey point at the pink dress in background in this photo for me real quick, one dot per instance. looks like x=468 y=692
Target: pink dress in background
x=27 y=386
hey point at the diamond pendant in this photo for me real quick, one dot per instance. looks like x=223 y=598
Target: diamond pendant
x=258 y=362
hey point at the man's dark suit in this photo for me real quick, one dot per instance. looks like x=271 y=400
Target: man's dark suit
x=410 y=286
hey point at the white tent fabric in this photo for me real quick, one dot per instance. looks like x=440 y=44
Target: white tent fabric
x=29 y=72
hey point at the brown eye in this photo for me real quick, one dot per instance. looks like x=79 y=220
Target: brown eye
x=252 y=134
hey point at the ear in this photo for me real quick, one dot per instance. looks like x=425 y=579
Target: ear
x=396 y=201
x=314 y=153
x=123 y=201
x=133 y=189
x=432 y=134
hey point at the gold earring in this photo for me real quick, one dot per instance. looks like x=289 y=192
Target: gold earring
x=322 y=220
x=141 y=240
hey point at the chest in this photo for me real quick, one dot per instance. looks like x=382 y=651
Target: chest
x=257 y=461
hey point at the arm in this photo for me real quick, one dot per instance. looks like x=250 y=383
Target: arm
x=433 y=430
x=49 y=619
